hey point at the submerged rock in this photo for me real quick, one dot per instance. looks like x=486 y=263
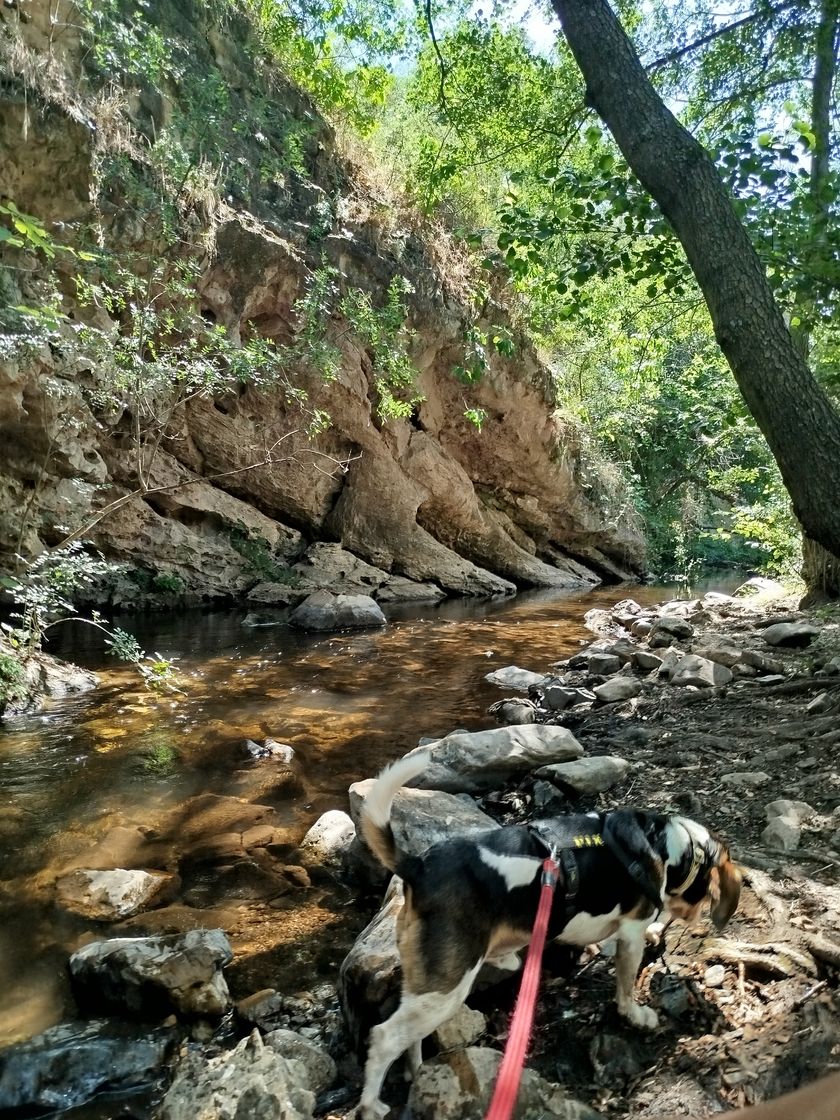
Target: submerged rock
x=65 y=1066
x=109 y=896
x=46 y=678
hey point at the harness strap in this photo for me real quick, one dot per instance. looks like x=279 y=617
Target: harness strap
x=510 y=1070
x=698 y=857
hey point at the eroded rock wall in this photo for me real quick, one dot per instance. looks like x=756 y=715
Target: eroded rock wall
x=429 y=498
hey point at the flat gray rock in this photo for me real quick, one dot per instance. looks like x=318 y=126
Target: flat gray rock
x=795 y=635
x=514 y=677
x=700 y=672
x=617 y=689
x=470 y=762
x=587 y=775
x=422 y=817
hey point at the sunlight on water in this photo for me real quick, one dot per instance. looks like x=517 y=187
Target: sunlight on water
x=120 y=758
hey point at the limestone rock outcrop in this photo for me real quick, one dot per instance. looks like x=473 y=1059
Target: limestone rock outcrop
x=233 y=489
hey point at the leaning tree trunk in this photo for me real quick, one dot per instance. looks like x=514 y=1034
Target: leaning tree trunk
x=798 y=420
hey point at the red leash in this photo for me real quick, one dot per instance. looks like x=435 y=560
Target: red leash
x=510 y=1071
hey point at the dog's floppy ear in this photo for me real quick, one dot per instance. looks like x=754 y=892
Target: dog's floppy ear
x=624 y=836
x=725 y=890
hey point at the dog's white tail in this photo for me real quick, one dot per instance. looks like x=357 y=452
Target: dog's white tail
x=376 y=810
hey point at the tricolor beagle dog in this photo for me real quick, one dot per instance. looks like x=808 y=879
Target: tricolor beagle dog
x=474 y=899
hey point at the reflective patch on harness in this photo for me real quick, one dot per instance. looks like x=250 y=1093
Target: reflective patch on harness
x=588 y=841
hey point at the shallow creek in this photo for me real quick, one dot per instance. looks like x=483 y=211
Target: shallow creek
x=119 y=756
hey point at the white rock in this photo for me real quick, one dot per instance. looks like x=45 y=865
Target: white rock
x=329 y=837
x=111 y=895
x=714 y=976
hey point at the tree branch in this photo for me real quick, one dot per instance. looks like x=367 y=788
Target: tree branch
x=672 y=56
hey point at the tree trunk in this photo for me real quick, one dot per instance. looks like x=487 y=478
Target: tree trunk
x=820 y=570
x=798 y=420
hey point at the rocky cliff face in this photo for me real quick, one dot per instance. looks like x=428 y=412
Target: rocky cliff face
x=426 y=498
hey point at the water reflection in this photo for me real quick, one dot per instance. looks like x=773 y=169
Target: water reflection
x=120 y=757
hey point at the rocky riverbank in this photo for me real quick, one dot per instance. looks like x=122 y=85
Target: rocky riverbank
x=725 y=709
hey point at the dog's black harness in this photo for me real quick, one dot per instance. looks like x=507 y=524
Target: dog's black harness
x=562 y=837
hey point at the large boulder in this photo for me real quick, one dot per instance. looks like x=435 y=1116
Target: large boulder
x=473 y=761
x=151 y=976
x=324 y=611
x=251 y=1082
x=46 y=678
x=369 y=977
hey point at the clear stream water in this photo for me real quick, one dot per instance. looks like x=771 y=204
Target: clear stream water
x=346 y=702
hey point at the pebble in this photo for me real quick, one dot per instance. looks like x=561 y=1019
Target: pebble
x=714 y=976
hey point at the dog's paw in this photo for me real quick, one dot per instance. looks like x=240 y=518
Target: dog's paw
x=509 y=962
x=641 y=1016
x=373 y=1110
x=654 y=932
